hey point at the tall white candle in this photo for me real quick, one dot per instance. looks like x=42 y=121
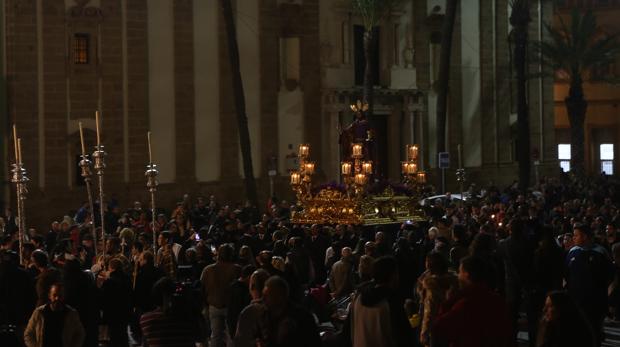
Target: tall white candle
x=98 y=132
x=15 y=143
x=82 y=139
x=460 y=164
x=148 y=135
x=19 y=151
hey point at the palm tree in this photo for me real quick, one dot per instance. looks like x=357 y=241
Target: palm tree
x=372 y=13
x=443 y=75
x=520 y=19
x=239 y=97
x=573 y=51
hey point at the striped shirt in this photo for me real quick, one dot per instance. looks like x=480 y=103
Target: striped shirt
x=161 y=330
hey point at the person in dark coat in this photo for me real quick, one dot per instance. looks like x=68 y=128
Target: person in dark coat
x=287 y=324
x=239 y=297
x=17 y=294
x=589 y=272
x=116 y=303
x=316 y=245
x=80 y=293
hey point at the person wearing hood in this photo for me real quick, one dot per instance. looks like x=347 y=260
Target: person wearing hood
x=377 y=317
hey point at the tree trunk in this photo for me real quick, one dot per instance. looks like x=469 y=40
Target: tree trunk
x=520 y=19
x=576 y=107
x=443 y=77
x=242 y=119
x=368 y=81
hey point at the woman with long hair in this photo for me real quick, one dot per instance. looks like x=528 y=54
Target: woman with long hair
x=563 y=324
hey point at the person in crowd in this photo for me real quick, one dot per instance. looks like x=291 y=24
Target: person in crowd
x=341 y=275
x=54 y=323
x=216 y=279
x=316 y=245
x=563 y=323
x=250 y=325
x=461 y=317
x=166 y=255
x=287 y=324
x=116 y=303
x=17 y=293
x=239 y=297
x=377 y=316
x=435 y=286
x=589 y=272
x=46 y=276
x=166 y=325
x=80 y=293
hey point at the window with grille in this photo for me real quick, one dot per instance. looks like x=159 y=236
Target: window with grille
x=564 y=156
x=80 y=48
x=607 y=158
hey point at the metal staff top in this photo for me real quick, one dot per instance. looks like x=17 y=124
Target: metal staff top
x=20 y=179
x=99 y=157
x=87 y=174
x=152 y=183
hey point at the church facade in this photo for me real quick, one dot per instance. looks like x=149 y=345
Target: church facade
x=162 y=66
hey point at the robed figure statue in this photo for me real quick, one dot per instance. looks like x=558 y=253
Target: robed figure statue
x=359 y=131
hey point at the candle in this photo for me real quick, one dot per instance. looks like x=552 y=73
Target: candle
x=82 y=139
x=422 y=177
x=356 y=150
x=15 y=143
x=346 y=168
x=459 y=149
x=295 y=178
x=412 y=152
x=304 y=150
x=360 y=179
x=97 y=125
x=412 y=168
x=403 y=167
x=148 y=136
x=367 y=167
x=309 y=166
x=19 y=151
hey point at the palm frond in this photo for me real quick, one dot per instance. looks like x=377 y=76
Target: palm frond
x=374 y=11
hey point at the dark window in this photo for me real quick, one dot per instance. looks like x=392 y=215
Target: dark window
x=80 y=48
x=360 y=59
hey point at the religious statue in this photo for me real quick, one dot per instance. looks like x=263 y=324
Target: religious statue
x=359 y=131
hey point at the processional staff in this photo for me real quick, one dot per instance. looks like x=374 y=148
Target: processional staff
x=151 y=183
x=20 y=179
x=87 y=173
x=99 y=157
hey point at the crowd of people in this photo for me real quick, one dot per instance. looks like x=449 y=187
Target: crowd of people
x=472 y=273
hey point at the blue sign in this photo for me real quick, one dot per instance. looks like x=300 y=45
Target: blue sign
x=444 y=160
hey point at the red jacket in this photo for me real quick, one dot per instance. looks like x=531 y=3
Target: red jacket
x=477 y=317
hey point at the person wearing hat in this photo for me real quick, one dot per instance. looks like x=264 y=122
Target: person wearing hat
x=589 y=272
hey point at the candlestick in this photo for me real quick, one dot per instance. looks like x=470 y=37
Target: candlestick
x=148 y=135
x=295 y=178
x=19 y=151
x=82 y=139
x=360 y=179
x=459 y=149
x=309 y=168
x=97 y=124
x=412 y=152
